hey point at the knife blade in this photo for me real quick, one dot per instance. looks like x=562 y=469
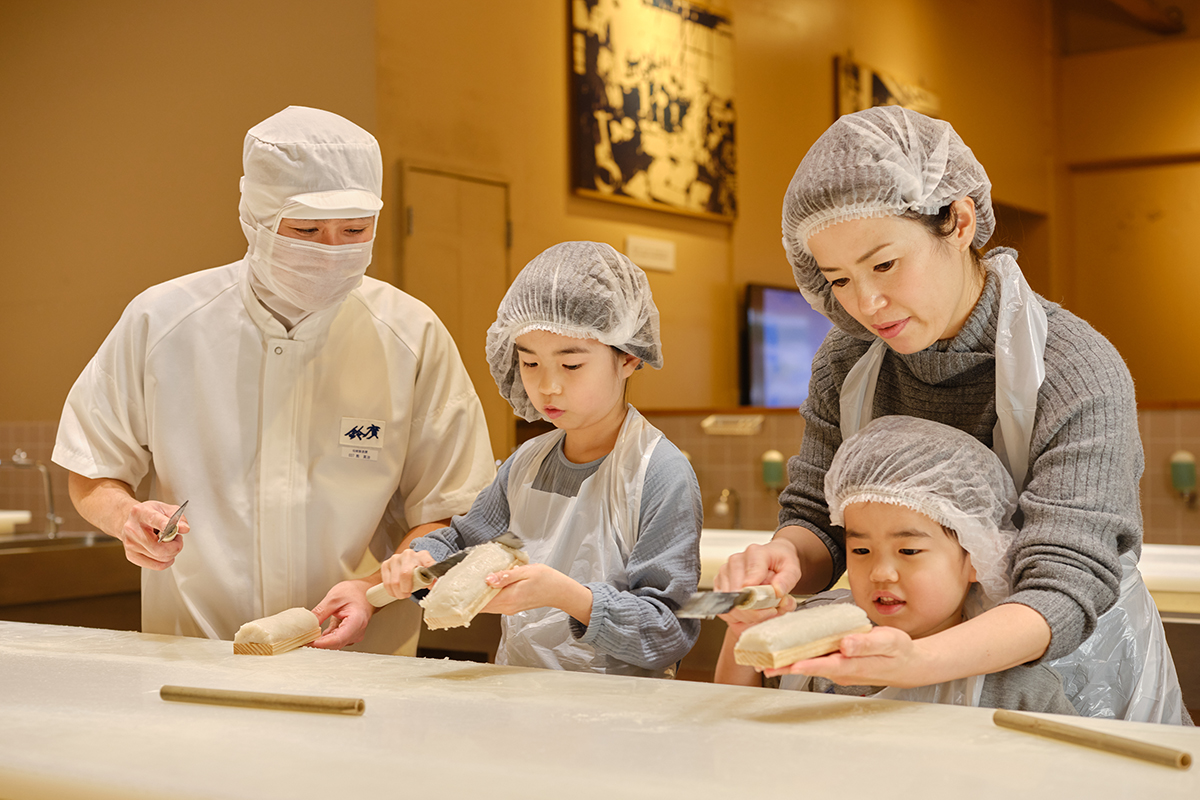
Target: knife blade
x=423 y=577
x=706 y=605
x=172 y=529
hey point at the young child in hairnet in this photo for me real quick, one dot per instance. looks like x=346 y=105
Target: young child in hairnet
x=608 y=509
x=927 y=511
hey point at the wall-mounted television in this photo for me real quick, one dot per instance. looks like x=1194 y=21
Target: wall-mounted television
x=781 y=334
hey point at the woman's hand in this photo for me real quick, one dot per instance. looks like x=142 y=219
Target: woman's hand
x=883 y=657
x=776 y=563
x=739 y=620
x=397 y=571
x=538 y=586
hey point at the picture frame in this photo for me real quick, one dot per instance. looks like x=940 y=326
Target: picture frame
x=858 y=86
x=653 y=118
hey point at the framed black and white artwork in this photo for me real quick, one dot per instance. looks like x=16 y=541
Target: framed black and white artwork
x=653 y=111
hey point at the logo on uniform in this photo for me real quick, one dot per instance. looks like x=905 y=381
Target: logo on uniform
x=361 y=439
x=357 y=432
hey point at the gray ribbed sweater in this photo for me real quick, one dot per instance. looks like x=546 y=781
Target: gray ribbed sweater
x=1080 y=508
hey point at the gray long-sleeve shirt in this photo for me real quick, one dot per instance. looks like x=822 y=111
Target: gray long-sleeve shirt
x=1026 y=687
x=1080 y=510
x=638 y=625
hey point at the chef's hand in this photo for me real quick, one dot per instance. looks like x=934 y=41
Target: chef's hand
x=346 y=603
x=139 y=536
x=884 y=657
x=397 y=571
x=538 y=586
x=775 y=563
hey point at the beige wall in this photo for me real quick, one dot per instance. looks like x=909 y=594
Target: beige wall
x=1138 y=101
x=487 y=93
x=121 y=139
x=124 y=123
x=1129 y=143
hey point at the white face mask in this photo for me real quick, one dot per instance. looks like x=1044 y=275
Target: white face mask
x=308 y=275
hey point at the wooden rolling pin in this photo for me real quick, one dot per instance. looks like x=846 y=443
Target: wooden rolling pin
x=1179 y=759
x=352 y=706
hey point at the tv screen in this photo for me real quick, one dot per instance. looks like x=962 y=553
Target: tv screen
x=782 y=334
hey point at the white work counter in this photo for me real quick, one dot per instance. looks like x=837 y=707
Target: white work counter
x=718 y=544
x=80 y=716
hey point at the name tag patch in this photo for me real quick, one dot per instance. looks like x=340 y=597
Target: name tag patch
x=361 y=439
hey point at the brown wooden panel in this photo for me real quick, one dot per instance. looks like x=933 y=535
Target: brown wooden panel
x=456 y=262
x=1135 y=273
x=48 y=573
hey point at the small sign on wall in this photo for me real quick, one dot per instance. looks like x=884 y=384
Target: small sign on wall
x=650 y=253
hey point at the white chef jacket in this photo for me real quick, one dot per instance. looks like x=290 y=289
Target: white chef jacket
x=304 y=457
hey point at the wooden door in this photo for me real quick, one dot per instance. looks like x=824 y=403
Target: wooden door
x=455 y=259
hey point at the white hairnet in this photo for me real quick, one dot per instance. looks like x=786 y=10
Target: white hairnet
x=584 y=290
x=941 y=472
x=879 y=162
x=312 y=164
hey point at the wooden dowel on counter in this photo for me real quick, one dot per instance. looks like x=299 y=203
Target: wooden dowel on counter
x=1157 y=754
x=280 y=702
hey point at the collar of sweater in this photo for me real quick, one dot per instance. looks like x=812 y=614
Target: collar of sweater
x=974 y=345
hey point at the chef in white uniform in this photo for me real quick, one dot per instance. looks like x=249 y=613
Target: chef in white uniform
x=313 y=418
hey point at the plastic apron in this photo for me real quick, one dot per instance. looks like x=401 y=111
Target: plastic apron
x=1124 y=670
x=588 y=537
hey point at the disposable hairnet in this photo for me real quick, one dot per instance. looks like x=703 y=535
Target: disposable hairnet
x=941 y=472
x=312 y=164
x=883 y=161
x=584 y=290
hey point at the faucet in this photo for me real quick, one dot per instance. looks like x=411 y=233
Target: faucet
x=729 y=505
x=21 y=460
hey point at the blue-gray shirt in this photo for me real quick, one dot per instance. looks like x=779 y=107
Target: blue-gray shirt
x=638 y=625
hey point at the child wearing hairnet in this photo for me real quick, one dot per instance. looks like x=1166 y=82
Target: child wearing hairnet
x=927 y=511
x=608 y=509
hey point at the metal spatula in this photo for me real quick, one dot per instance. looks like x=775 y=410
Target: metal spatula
x=706 y=605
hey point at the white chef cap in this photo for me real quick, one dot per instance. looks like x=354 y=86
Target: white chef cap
x=882 y=161
x=584 y=290
x=309 y=164
x=941 y=472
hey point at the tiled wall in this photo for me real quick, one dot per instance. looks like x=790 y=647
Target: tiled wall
x=720 y=462
x=734 y=462
x=1167 y=518
x=22 y=488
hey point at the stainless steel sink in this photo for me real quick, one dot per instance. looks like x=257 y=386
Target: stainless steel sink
x=36 y=568
x=40 y=541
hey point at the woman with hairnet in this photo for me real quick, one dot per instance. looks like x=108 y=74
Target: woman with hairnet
x=608 y=509
x=927 y=514
x=882 y=224
x=311 y=417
